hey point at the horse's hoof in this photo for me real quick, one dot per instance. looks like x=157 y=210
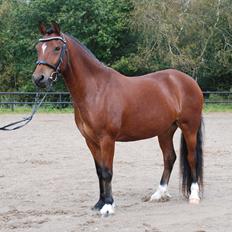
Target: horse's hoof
x=194 y=196
x=162 y=198
x=161 y=194
x=98 y=206
x=194 y=201
x=107 y=209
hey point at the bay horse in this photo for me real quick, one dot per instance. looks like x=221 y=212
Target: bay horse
x=111 y=107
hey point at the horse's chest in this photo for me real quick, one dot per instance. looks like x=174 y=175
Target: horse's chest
x=85 y=129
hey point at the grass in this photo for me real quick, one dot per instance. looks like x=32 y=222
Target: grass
x=49 y=109
x=217 y=108
x=27 y=109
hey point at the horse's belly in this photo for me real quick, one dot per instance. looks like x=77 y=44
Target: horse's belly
x=128 y=138
x=143 y=130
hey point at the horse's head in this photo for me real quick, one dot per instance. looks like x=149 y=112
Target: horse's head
x=51 y=50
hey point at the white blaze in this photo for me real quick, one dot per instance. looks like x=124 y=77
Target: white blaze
x=44 y=46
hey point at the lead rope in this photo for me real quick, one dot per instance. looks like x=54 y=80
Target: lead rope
x=25 y=121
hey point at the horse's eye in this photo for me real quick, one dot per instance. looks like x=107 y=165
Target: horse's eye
x=57 y=49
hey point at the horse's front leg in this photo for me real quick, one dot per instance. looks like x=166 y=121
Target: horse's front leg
x=103 y=154
x=96 y=152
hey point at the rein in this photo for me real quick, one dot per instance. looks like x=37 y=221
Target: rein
x=21 y=123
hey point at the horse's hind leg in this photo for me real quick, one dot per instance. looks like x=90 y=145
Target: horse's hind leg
x=191 y=159
x=169 y=157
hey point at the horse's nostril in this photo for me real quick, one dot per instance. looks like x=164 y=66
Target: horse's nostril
x=41 y=78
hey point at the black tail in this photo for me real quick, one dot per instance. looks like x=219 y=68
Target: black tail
x=184 y=165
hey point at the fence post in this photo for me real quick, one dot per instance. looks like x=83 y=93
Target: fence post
x=13 y=105
x=60 y=101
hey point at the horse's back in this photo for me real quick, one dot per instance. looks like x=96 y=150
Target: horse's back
x=169 y=83
x=173 y=85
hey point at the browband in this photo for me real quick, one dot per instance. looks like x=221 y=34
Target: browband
x=53 y=38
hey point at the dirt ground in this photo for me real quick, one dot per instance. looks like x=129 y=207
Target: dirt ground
x=48 y=181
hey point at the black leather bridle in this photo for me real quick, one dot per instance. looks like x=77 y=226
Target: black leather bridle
x=55 y=67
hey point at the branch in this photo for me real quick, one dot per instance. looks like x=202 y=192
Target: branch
x=212 y=31
x=200 y=58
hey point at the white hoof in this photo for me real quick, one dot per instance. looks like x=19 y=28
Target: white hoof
x=194 y=201
x=194 y=196
x=107 y=209
x=161 y=194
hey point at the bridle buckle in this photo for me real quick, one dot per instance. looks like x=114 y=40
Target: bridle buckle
x=54 y=76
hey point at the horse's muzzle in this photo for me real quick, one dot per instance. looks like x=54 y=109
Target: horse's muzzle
x=42 y=81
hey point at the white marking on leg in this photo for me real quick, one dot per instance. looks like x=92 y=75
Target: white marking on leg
x=44 y=46
x=107 y=209
x=161 y=194
x=194 y=196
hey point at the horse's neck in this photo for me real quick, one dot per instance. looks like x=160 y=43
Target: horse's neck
x=85 y=76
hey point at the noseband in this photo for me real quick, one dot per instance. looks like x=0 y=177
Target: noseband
x=55 y=67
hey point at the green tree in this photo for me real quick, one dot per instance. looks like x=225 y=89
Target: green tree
x=193 y=36
x=102 y=25
x=7 y=64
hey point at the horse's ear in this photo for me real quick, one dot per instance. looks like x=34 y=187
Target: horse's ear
x=42 y=28
x=56 y=27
